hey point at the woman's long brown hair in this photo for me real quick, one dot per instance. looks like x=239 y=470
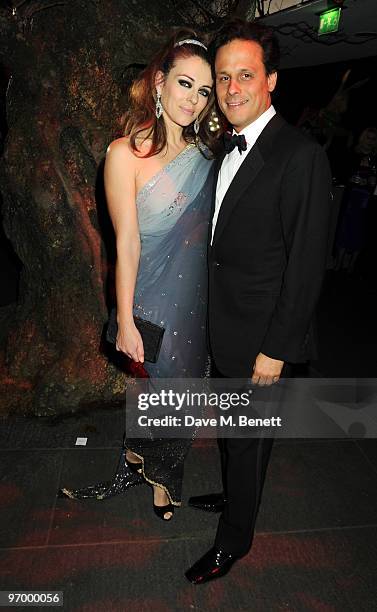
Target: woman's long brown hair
x=141 y=120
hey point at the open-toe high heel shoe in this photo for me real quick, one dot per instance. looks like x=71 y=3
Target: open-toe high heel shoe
x=135 y=467
x=160 y=511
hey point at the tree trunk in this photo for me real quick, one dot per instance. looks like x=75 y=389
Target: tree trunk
x=65 y=104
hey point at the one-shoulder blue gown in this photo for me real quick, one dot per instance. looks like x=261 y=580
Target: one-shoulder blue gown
x=171 y=290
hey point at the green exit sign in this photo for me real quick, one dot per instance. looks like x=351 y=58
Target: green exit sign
x=329 y=21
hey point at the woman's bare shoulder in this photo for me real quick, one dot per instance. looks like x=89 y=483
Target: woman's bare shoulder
x=121 y=147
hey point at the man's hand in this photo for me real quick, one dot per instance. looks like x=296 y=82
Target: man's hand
x=266 y=370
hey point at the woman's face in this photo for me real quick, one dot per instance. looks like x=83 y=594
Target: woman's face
x=185 y=90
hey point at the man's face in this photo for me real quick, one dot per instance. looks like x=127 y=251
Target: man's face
x=242 y=86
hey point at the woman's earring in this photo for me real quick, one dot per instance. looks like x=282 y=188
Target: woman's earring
x=159 y=108
x=196 y=126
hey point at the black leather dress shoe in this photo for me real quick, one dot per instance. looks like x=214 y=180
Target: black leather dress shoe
x=214 y=564
x=213 y=502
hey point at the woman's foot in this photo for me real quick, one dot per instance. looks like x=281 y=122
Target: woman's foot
x=161 y=504
x=134 y=462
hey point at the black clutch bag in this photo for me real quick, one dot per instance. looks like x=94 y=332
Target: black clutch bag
x=150 y=333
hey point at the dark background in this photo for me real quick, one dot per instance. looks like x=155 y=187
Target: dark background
x=297 y=88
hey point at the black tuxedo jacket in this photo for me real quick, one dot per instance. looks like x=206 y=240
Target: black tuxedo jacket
x=268 y=256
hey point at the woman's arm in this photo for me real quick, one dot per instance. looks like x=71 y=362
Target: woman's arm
x=120 y=173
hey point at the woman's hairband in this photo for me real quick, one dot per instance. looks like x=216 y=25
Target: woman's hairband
x=190 y=41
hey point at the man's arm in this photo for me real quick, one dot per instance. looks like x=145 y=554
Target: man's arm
x=305 y=207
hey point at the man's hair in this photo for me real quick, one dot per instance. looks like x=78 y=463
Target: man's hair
x=246 y=30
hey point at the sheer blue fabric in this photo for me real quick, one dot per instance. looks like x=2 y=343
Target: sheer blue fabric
x=171 y=288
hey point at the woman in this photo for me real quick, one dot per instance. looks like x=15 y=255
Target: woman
x=158 y=191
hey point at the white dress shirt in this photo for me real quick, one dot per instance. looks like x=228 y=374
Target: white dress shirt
x=233 y=160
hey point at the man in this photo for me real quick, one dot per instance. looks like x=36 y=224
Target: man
x=267 y=258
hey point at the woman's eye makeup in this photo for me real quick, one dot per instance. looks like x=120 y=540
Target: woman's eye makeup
x=203 y=92
x=185 y=83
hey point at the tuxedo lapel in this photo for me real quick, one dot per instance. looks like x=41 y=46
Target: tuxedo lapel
x=243 y=178
x=218 y=163
x=247 y=172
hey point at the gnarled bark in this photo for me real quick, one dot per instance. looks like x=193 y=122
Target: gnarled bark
x=66 y=99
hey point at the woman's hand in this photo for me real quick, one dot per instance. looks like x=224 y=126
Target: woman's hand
x=129 y=341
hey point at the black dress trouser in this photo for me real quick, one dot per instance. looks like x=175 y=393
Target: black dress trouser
x=244 y=464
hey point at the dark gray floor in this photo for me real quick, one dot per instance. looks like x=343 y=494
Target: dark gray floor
x=316 y=543
x=315 y=549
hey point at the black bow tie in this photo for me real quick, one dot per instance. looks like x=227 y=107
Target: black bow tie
x=234 y=140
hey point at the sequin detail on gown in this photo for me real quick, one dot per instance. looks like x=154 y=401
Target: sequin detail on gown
x=123 y=480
